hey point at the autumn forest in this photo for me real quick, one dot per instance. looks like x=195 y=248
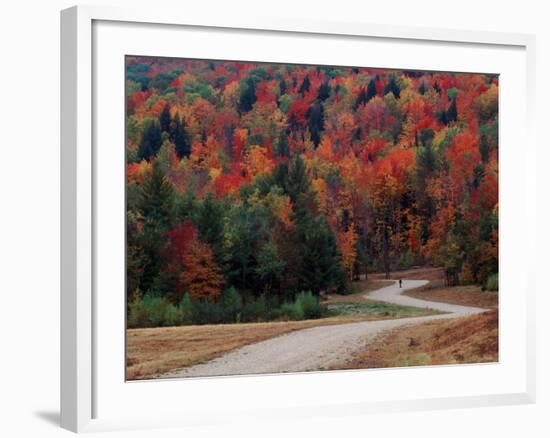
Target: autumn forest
x=253 y=189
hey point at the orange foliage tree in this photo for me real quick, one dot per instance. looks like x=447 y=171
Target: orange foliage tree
x=347 y=241
x=202 y=277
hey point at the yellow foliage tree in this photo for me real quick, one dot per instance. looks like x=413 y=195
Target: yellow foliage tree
x=257 y=161
x=347 y=241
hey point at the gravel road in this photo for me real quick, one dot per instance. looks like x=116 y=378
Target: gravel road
x=320 y=347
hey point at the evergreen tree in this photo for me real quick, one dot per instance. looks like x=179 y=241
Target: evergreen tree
x=246 y=227
x=280 y=175
x=304 y=88
x=426 y=136
x=321 y=266
x=231 y=304
x=247 y=96
x=357 y=134
x=164 y=119
x=392 y=87
x=371 y=90
x=422 y=88
x=151 y=139
x=361 y=99
x=134 y=257
x=324 y=91
x=156 y=207
x=156 y=201
x=442 y=117
x=297 y=183
x=283 y=148
x=282 y=87
x=181 y=139
x=210 y=217
x=451 y=112
x=270 y=265
x=316 y=122
x=426 y=161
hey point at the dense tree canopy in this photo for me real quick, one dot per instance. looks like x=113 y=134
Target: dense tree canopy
x=273 y=179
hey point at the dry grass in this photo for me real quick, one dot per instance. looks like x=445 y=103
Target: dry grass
x=154 y=351
x=462 y=295
x=472 y=339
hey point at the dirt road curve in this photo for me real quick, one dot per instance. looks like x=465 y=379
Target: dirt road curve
x=320 y=347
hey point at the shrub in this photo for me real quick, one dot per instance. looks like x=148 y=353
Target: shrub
x=310 y=305
x=186 y=310
x=255 y=310
x=172 y=316
x=293 y=311
x=206 y=312
x=275 y=313
x=231 y=304
x=134 y=315
x=492 y=283
x=154 y=309
x=151 y=311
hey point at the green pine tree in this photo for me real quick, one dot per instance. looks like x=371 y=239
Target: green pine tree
x=316 y=122
x=270 y=265
x=304 y=88
x=165 y=119
x=451 y=112
x=247 y=97
x=371 y=90
x=283 y=148
x=324 y=91
x=151 y=139
x=210 y=218
x=181 y=138
x=156 y=208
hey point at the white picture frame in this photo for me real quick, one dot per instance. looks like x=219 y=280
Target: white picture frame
x=79 y=199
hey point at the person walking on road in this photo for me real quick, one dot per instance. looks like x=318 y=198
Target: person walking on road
x=400 y=283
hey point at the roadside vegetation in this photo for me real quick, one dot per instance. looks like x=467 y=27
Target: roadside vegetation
x=463 y=295
x=188 y=338
x=157 y=311
x=484 y=296
x=153 y=351
x=472 y=339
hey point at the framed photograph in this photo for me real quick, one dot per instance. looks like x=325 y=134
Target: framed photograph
x=289 y=218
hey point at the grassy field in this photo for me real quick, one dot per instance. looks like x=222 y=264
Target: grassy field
x=472 y=339
x=154 y=351
x=378 y=310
